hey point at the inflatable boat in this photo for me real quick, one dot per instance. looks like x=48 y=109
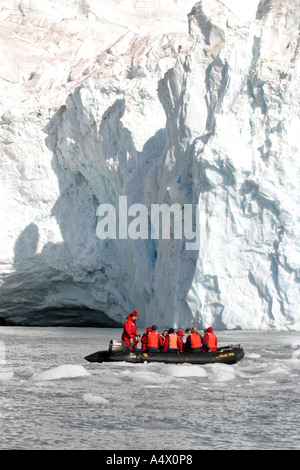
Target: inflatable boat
x=117 y=352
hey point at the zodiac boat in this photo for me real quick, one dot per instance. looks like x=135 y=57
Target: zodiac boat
x=118 y=352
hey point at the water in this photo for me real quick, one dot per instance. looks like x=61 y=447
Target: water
x=51 y=398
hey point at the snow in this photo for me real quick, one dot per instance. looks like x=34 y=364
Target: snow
x=161 y=101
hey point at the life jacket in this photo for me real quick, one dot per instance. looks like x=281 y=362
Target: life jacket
x=172 y=341
x=211 y=340
x=195 y=340
x=152 y=339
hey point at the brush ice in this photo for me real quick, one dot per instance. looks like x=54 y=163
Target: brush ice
x=164 y=102
x=144 y=376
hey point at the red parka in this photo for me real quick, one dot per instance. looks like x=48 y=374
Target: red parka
x=129 y=331
x=144 y=338
x=195 y=340
x=154 y=340
x=211 y=339
x=176 y=342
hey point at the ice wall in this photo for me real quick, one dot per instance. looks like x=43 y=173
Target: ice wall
x=162 y=102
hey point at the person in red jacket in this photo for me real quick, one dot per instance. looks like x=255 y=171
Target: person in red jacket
x=180 y=334
x=172 y=342
x=129 y=335
x=195 y=342
x=144 y=338
x=211 y=339
x=154 y=340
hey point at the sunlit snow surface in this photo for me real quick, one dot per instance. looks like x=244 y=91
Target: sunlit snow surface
x=52 y=399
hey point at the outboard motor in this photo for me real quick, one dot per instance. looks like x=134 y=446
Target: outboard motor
x=116 y=345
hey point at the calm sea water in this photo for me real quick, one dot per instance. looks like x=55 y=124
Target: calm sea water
x=51 y=398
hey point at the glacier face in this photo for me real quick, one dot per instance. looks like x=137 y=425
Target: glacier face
x=165 y=102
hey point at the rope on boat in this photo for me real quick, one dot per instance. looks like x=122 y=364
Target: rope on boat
x=230 y=347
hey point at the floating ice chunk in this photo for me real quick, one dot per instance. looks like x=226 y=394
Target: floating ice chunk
x=184 y=371
x=295 y=359
x=60 y=372
x=278 y=371
x=253 y=356
x=222 y=373
x=6 y=374
x=94 y=399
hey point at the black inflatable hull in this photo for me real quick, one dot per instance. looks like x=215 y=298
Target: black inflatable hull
x=227 y=355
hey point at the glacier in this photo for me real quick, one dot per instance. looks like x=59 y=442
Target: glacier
x=163 y=101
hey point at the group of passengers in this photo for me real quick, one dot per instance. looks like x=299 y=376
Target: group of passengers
x=169 y=340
